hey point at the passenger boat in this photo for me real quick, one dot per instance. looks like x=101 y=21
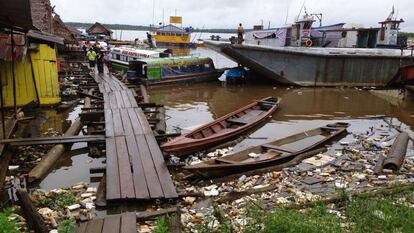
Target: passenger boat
x=224 y=128
x=171 y=70
x=121 y=56
x=269 y=154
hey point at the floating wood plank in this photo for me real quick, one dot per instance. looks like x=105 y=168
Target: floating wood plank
x=53 y=140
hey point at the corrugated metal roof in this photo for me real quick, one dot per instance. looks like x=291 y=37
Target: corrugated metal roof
x=16 y=14
x=170 y=28
x=45 y=37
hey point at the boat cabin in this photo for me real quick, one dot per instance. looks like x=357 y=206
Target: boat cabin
x=171 y=35
x=164 y=69
x=301 y=31
x=121 y=56
x=388 y=34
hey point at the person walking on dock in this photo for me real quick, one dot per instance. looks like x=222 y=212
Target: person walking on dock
x=91 y=55
x=100 y=62
x=108 y=61
x=149 y=39
x=240 y=33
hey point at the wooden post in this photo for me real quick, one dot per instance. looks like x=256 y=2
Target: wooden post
x=4 y=165
x=144 y=94
x=34 y=219
x=50 y=159
x=161 y=126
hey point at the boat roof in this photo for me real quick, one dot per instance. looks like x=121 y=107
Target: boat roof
x=170 y=28
x=139 y=51
x=174 y=60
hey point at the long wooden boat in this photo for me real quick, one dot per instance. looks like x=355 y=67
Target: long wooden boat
x=224 y=128
x=269 y=154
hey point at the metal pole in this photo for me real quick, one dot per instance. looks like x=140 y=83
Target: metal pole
x=13 y=75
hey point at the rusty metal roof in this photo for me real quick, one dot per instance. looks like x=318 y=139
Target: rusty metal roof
x=45 y=37
x=16 y=15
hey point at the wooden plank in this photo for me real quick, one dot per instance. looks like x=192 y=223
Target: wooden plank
x=136 y=125
x=119 y=100
x=52 y=140
x=131 y=97
x=81 y=228
x=147 y=215
x=109 y=123
x=161 y=168
x=95 y=226
x=112 y=224
x=277 y=148
x=107 y=87
x=112 y=100
x=118 y=126
x=129 y=223
x=101 y=87
x=113 y=190
x=125 y=173
x=139 y=176
x=125 y=98
x=143 y=120
x=151 y=175
x=126 y=122
x=106 y=101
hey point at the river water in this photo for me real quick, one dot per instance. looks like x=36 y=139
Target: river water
x=301 y=109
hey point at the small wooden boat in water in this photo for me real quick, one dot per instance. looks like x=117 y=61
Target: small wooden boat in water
x=269 y=154
x=224 y=128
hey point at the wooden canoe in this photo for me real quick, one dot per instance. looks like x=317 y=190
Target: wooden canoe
x=224 y=128
x=269 y=154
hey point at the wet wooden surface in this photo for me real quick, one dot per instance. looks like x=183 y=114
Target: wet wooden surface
x=125 y=223
x=135 y=165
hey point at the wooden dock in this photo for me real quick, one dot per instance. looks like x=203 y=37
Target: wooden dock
x=135 y=166
x=125 y=223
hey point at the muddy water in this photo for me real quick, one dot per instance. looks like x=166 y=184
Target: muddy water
x=300 y=109
x=192 y=105
x=74 y=166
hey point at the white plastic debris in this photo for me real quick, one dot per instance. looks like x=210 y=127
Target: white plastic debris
x=73 y=207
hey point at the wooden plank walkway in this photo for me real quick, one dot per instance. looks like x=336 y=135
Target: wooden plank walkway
x=125 y=223
x=135 y=166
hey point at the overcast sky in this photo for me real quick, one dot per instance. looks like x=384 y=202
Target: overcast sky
x=228 y=13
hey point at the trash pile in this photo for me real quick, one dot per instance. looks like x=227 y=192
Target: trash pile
x=348 y=166
x=76 y=203
x=68 y=87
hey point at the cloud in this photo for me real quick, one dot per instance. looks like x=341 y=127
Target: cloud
x=228 y=13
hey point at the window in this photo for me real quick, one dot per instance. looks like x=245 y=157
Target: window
x=344 y=34
x=118 y=57
x=307 y=25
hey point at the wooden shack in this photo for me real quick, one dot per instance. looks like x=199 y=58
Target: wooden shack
x=99 y=29
x=30 y=74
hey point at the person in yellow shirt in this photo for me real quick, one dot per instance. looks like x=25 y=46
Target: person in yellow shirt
x=91 y=55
